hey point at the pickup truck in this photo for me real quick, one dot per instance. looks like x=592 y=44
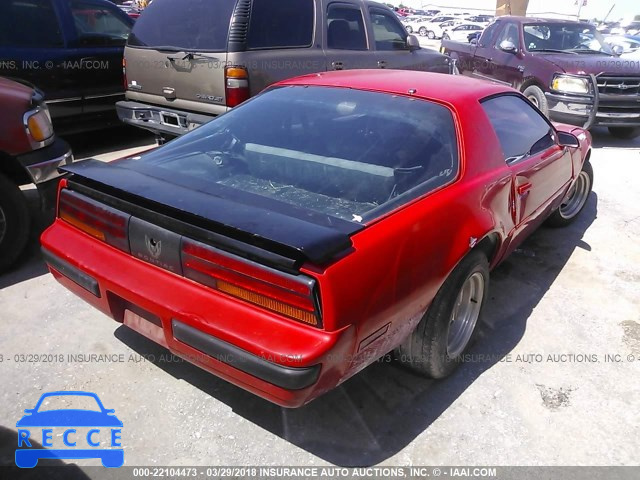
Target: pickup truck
x=227 y=51
x=30 y=153
x=563 y=67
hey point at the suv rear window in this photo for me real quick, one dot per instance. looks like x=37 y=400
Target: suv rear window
x=201 y=25
x=345 y=153
x=281 y=24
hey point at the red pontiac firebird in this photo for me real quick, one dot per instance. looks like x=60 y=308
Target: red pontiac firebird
x=335 y=217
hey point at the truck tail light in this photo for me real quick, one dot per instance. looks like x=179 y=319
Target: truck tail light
x=292 y=296
x=236 y=85
x=99 y=221
x=124 y=73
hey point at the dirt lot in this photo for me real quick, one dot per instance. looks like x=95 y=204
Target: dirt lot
x=553 y=379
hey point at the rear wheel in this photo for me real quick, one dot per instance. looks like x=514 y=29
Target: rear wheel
x=431 y=35
x=448 y=328
x=14 y=223
x=422 y=31
x=626 y=133
x=536 y=96
x=575 y=199
x=409 y=29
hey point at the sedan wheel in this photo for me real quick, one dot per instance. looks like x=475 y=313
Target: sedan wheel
x=431 y=35
x=446 y=331
x=409 y=29
x=575 y=199
x=422 y=31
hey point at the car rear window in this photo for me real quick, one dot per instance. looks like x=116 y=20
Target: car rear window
x=201 y=25
x=345 y=153
x=281 y=24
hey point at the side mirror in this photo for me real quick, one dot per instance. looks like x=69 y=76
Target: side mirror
x=568 y=140
x=507 y=46
x=474 y=41
x=617 y=50
x=413 y=43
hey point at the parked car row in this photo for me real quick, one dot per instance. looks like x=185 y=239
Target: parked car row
x=436 y=27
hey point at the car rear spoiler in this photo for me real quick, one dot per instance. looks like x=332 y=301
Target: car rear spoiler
x=284 y=238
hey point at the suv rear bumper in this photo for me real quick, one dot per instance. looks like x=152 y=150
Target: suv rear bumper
x=159 y=120
x=596 y=109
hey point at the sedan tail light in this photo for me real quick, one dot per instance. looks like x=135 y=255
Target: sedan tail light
x=236 y=85
x=293 y=296
x=99 y=221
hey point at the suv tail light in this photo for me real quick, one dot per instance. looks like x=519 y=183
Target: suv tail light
x=236 y=80
x=292 y=296
x=99 y=221
x=124 y=73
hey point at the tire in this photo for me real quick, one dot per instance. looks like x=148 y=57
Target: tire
x=538 y=98
x=626 y=133
x=431 y=35
x=409 y=29
x=422 y=31
x=575 y=200
x=431 y=349
x=15 y=221
x=445 y=37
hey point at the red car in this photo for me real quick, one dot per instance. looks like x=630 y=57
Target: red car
x=289 y=243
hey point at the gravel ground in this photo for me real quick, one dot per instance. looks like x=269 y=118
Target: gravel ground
x=553 y=379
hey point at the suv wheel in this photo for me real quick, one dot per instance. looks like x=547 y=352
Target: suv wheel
x=14 y=223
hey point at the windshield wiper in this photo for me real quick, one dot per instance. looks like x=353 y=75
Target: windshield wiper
x=589 y=50
x=188 y=54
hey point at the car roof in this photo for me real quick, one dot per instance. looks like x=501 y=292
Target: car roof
x=452 y=89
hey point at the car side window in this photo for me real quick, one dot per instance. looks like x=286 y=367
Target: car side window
x=97 y=25
x=29 y=24
x=281 y=24
x=388 y=33
x=488 y=34
x=510 y=34
x=520 y=128
x=345 y=28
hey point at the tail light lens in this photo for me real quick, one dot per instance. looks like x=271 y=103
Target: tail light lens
x=236 y=85
x=99 y=221
x=292 y=296
x=124 y=73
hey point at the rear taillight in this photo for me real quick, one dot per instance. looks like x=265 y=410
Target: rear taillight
x=124 y=73
x=236 y=85
x=293 y=296
x=99 y=221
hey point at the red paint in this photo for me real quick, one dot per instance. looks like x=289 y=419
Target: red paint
x=397 y=265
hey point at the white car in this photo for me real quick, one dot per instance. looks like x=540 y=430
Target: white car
x=413 y=25
x=435 y=30
x=460 y=33
x=628 y=44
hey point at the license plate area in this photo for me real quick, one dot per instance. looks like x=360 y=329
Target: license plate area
x=145 y=327
x=170 y=119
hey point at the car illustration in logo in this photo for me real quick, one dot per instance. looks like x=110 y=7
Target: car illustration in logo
x=41 y=420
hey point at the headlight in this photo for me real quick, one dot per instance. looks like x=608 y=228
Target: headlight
x=567 y=84
x=38 y=125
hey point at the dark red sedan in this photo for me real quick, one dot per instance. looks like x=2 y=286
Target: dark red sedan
x=289 y=243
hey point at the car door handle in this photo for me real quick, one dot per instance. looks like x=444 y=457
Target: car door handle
x=337 y=65
x=524 y=189
x=382 y=64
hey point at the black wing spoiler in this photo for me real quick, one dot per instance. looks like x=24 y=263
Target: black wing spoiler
x=292 y=233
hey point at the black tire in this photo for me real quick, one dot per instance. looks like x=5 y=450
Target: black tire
x=538 y=98
x=445 y=37
x=15 y=221
x=564 y=215
x=425 y=350
x=626 y=133
x=409 y=29
x=422 y=31
x=430 y=35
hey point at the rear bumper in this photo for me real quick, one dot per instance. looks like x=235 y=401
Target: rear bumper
x=159 y=120
x=280 y=360
x=597 y=109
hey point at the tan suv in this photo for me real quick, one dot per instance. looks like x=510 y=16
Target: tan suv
x=188 y=61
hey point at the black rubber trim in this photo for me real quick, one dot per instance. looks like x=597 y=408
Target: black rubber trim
x=284 y=377
x=72 y=273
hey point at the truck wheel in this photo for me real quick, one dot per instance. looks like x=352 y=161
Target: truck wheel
x=536 y=96
x=575 y=199
x=435 y=348
x=626 y=133
x=14 y=223
x=422 y=31
x=431 y=35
